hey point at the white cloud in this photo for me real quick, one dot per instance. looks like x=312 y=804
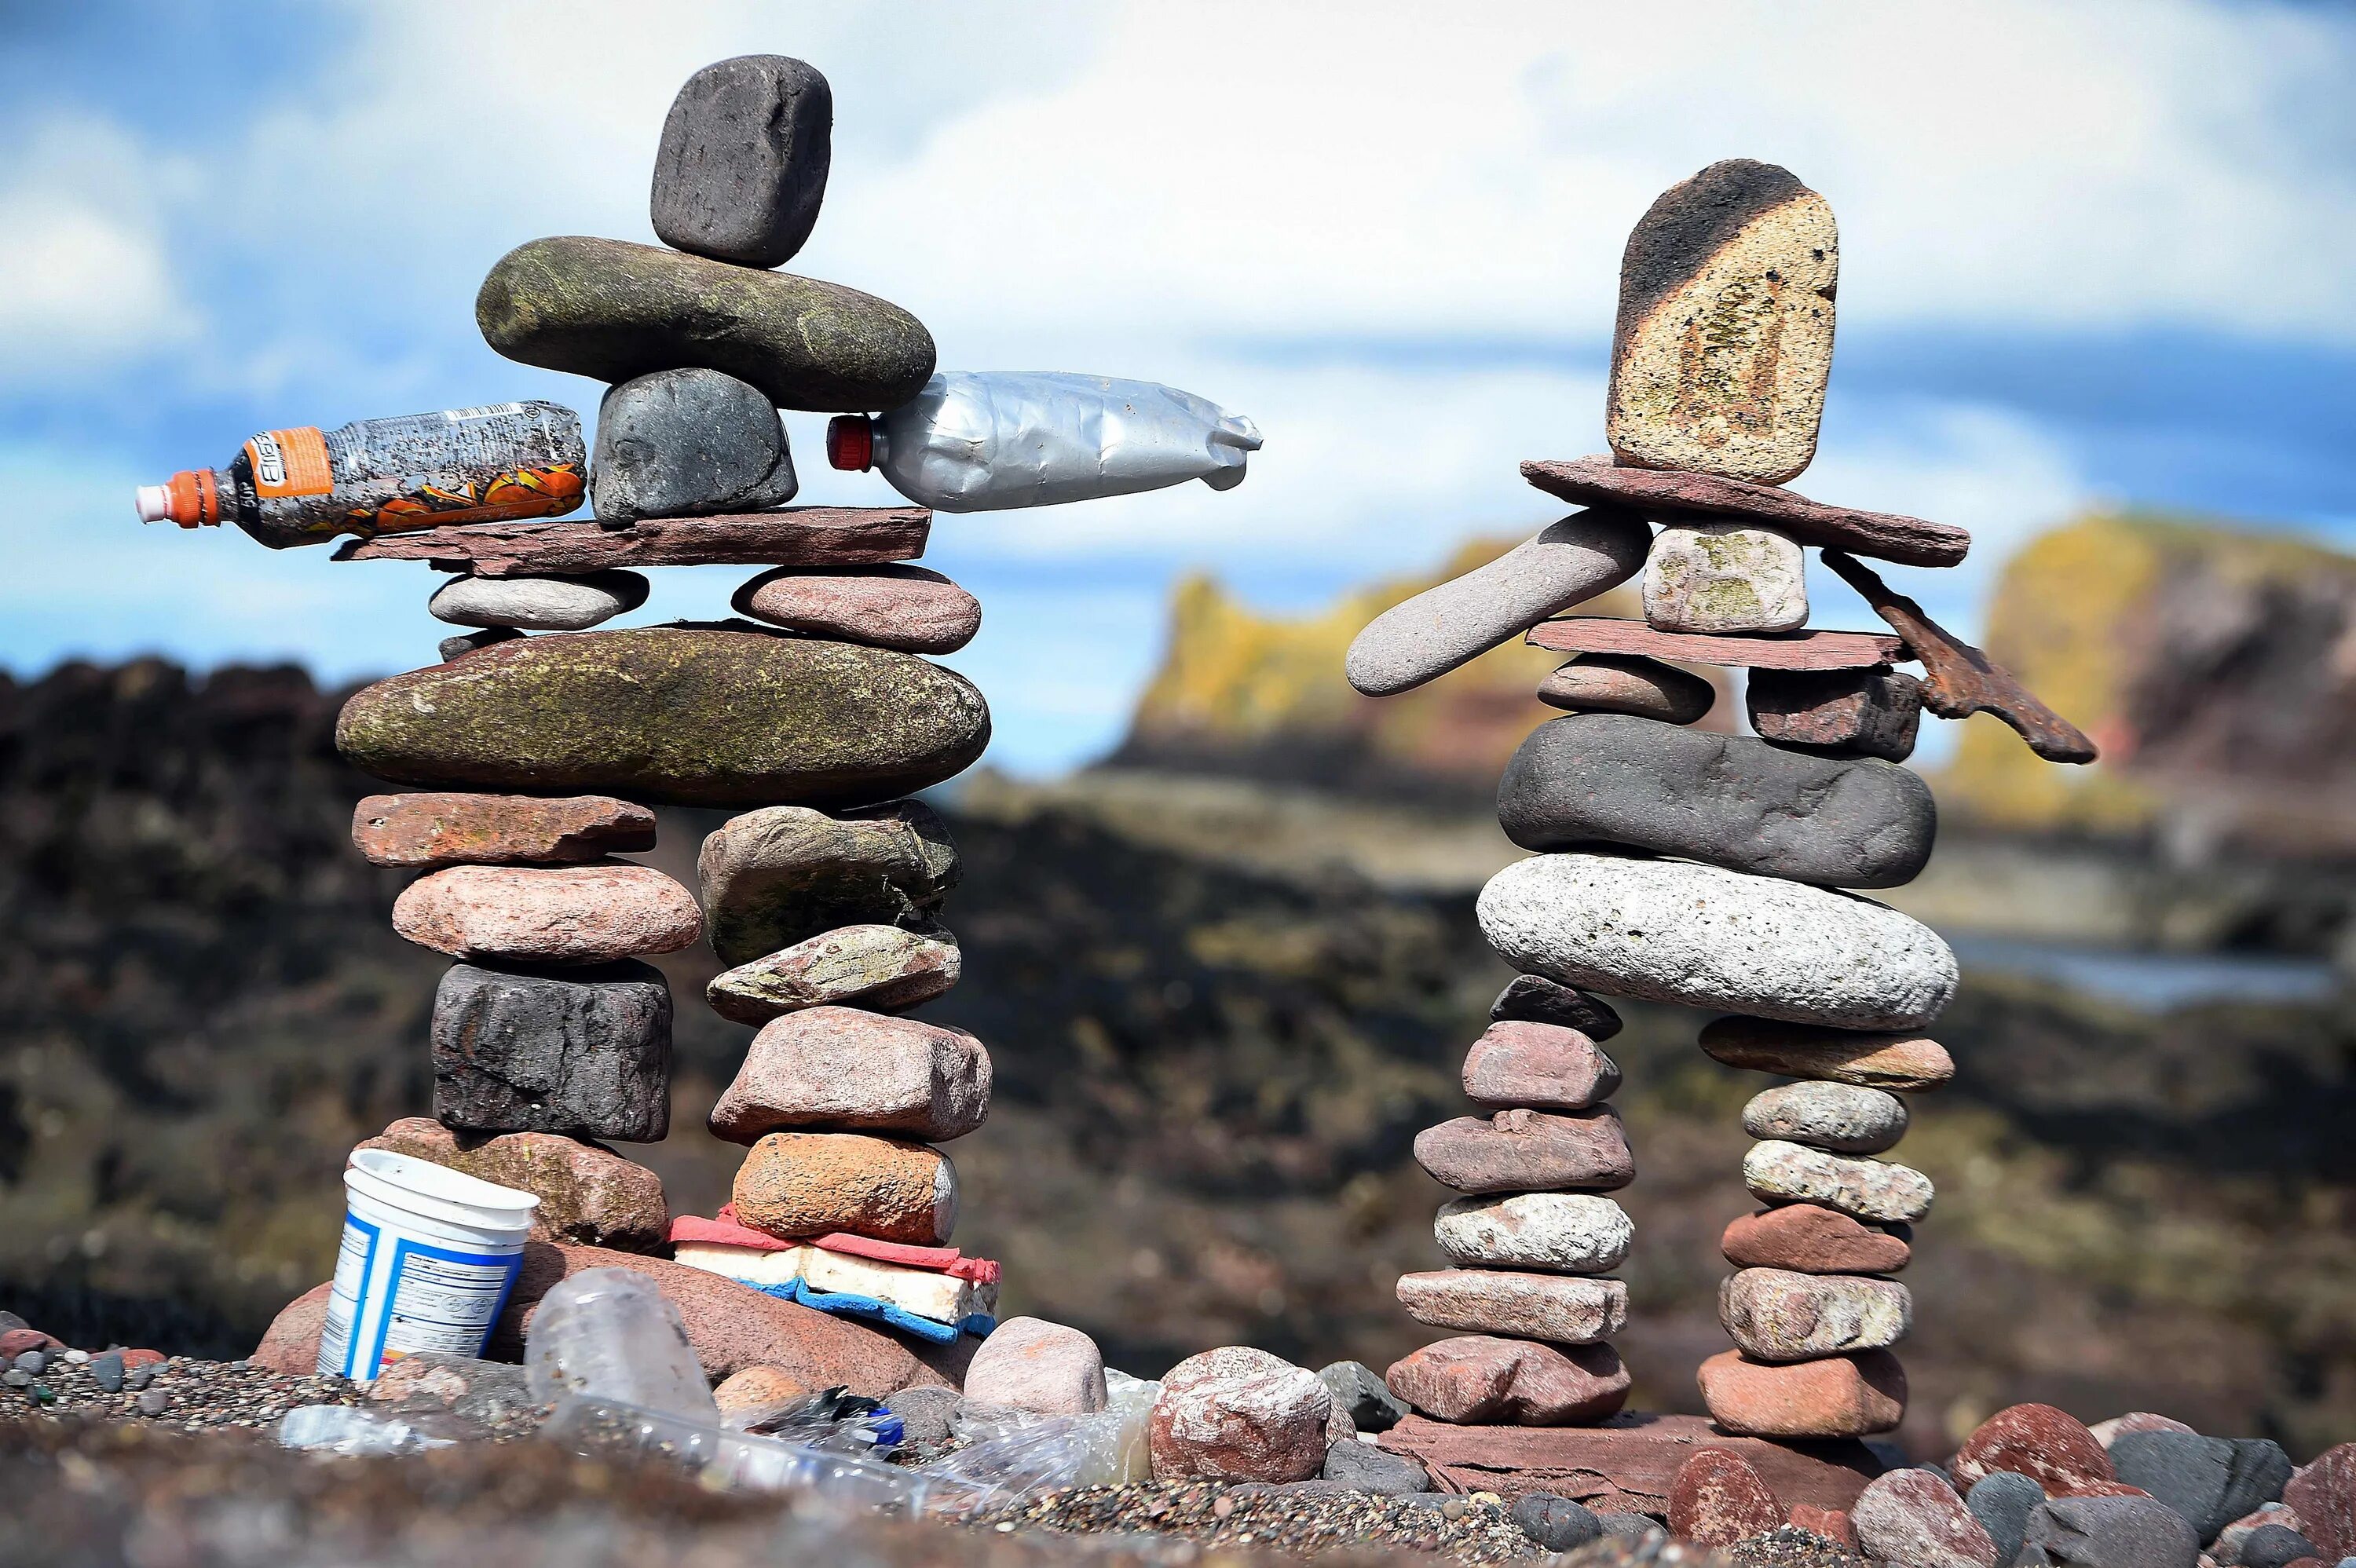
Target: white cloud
x=86 y=280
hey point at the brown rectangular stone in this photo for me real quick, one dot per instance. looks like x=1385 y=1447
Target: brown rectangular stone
x=795 y=536
x=1785 y=650
x=1670 y=495
x=1626 y=1463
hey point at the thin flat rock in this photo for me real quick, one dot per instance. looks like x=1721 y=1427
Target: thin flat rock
x=1675 y=495
x=1786 y=650
x=791 y=536
x=1625 y=1462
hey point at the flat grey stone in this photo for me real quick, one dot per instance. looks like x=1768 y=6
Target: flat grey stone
x=2212 y=1481
x=2108 y=1532
x=883 y=968
x=1725 y=579
x=1666 y=931
x=1842 y=1117
x=1458 y=620
x=688 y=444
x=783 y=874
x=1534 y=999
x=1777 y=1314
x=1363 y=1468
x=585 y=1053
x=1876 y=1190
x=1837 y=712
x=1628 y=683
x=1567 y=1309
x=1730 y=800
x=743 y=163
x=1557 y=1233
x=538 y=603
x=2002 y=1501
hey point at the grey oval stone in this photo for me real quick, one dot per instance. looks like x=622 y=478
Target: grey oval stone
x=1666 y=931
x=880 y=967
x=742 y=167
x=776 y=878
x=1777 y=1315
x=1730 y=800
x=1883 y=1190
x=612 y=310
x=1838 y=1117
x=538 y=603
x=688 y=444
x=1560 y=1232
x=1455 y=621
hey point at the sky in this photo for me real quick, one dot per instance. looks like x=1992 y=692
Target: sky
x=2092 y=254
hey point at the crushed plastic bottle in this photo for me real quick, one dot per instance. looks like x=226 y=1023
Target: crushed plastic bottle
x=745 y=1462
x=833 y=1418
x=981 y=441
x=350 y=1431
x=306 y=486
x=608 y=1334
x=1013 y=1456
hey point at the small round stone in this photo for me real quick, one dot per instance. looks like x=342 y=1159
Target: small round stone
x=106 y=1371
x=17 y=1378
x=1842 y=1117
x=77 y=1358
x=1628 y=683
x=33 y=1362
x=538 y=603
x=154 y=1402
x=1553 y=1523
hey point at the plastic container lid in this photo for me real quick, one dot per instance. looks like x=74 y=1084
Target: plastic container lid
x=850 y=442
x=404 y=1182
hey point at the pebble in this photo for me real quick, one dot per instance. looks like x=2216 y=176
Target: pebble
x=2212 y=1481
x=2227 y=1547
x=844 y=1069
x=1667 y=930
x=1853 y=1395
x=1238 y=1413
x=31 y=1362
x=807 y=1184
x=539 y=604
x=883 y=969
x=2324 y=1494
x=2135 y=1421
x=1555 y=1524
x=1875 y=1190
x=612 y=310
x=1527 y=1151
x=673 y=716
x=1032 y=1364
x=16 y=1377
x=1842 y=712
x=742 y=166
x=1912 y=1519
x=1724 y=338
x=1364 y=1467
x=1566 y=1233
x=588 y=1194
x=2274 y=1546
x=154 y=1401
x=106 y=1371
x=1544 y=1066
x=2002 y=1503
x=1900 y=1061
x=1721 y=579
x=1456 y=621
x=549 y=914
x=1843 y=1117
x=1483 y=1378
x=688 y=444
x=778 y=877
x=2049 y=1446
x=894 y=606
x=1628 y=683
x=1534 y=999
x=432 y=831
x=2109 y=1533
x=584 y=1051
x=1359 y=1392
x=1777 y=1315
x=1730 y=800
x=1811 y=1239
x=1566 y=1309
x=459 y=647
x=1716 y=1499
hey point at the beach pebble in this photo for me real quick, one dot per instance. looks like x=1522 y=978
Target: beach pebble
x=742 y=167
x=1527 y=1151
x=1900 y=1061
x=2108 y=1532
x=1565 y=1233
x=429 y=831
x=539 y=604
x=807 y=1184
x=882 y=968
x=1534 y=999
x=1565 y=1309
x=1777 y=1315
x=1360 y=1394
x=1842 y=1117
x=688 y=444
x=1721 y=579
x=1912 y=1519
x=1032 y=1364
x=1811 y=1239
x=1716 y=1499
x=2049 y=1446
x=1628 y=683
x=909 y=608
x=1881 y=1191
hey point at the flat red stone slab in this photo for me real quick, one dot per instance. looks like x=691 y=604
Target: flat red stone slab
x=1785 y=650
x=795 y=536
x=1668 y=496
x=1627 y=1463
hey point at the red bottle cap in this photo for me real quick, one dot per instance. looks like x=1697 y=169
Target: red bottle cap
x=849 y=441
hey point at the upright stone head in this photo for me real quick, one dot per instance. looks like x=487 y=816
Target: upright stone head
x=1725 y=336
x=743 y=160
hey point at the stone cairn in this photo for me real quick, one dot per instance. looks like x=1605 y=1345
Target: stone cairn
x=1679 y=865
x=543 y=752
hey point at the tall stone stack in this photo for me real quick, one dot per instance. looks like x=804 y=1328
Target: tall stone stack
x=532 y=754
x=1677 y=865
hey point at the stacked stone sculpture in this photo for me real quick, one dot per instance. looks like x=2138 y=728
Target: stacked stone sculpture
x=1675 y=864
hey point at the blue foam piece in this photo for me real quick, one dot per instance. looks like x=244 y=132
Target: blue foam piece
x=850 y=1304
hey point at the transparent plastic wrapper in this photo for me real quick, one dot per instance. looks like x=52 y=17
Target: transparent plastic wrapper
x=608 y=1334
x=350 y=1431
x=836 y=1419
x=981 y=442
x=1014 y=1455
x=742 y=1461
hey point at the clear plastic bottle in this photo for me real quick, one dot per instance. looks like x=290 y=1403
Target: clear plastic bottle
x=981 y=441
x=609 y=1334
x=493 y=464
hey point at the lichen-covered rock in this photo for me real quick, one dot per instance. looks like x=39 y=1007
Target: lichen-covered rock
x=428 y=831
x=1237 y=1413
x=1566 y=1309
x=807 y=1184
x=548 y=915
x=1566 y=1233
x=843 y=1068
x=1876 y=1190
x=1519 y=1382
x=1539 y=1065
x=672 y=715
x=612 y=310
x=1852 y=1395
x=1842 y=1117
x=781 y=876
x=587 y=1194
x=882 y=968
x=1725 y=579
x=1775 y=1315
x=688 y=444
x=584 y=1051
x=742 y=167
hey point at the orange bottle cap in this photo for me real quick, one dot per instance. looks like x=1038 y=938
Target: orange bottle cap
x=188 y=498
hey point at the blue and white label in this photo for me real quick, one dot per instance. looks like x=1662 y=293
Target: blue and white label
x=398 y=1296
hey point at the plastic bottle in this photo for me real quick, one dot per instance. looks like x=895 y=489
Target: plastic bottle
x=982 y=442
x=608 y=1334
x=493 y=464
x=350 y=1431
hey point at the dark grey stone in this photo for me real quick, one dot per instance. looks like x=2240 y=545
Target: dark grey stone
x=2261 y=1471
x=1534 y=999
x=924 y=1414
x=2108 y=1532
x=154 y=1401
x=466 y=643
x=585 y=1051
x=2002 y=1501
x=16 y=1377
x=1837 y=712
x=2212 y=1481
x=138 y=1378
x=1359 y=1390
x=2274 y=1546
x=1363 y=1468
x=1555 y=1524
x=106 y=1370
x=1728 y=800
x=32 y=1363
x=1631 y=1526
x=688 y=444
x=742 y=164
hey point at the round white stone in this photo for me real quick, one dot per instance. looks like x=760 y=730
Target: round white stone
x=1669 y=930
x=1562 y=1232
x=538 y=603
x=1843 y=1117
x=1877 y=1189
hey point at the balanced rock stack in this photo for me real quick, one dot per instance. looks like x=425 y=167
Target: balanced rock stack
x=536 y=748
x=1677 y=865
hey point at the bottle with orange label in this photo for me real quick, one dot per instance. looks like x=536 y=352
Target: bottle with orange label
x=492 y=464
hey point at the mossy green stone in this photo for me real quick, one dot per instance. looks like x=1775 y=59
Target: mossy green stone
x=672 y=715
x=614 y=310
